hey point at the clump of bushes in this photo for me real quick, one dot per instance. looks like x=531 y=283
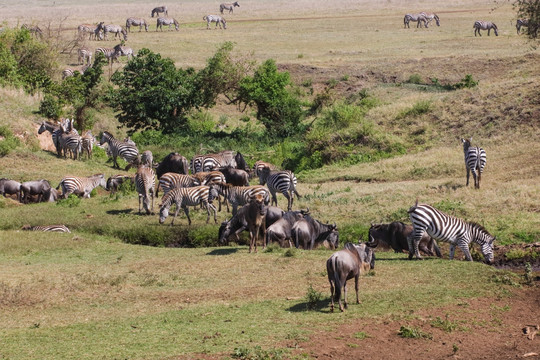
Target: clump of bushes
x=8 y=141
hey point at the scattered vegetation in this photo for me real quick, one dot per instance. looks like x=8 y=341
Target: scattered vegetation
x=8 y=142
x=313 y=297
x=410 y=332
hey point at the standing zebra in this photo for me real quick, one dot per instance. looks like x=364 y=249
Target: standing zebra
x=260 y=165
x=229 y=7
x=215 y=18
x=184 y=197
x=521 y=23
x=126 y=151
x=475 y=161
x=160 y=9
x=441 y=226
x=54 y=228
x=164 y=21
x=116 y=29
x=419 y=18
x=284 y=181
x=484 y=25
x=136 y=22
x=108 y=53
x=84 y=56
x=81 y=185
x=92 y=30
x=170 y=180
x=121 y=50
x=55 y=131
x=240 y=195
x=211 y=162
x=87 y=143
x=145 y=182
x=70 y=141
x=430 y=17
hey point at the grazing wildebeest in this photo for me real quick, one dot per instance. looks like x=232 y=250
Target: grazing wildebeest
x=10 y=187
x=395 y=234
x=309 y=232
x=280 y=231
x=50 y=195
x=256 y=218
x=36 y=187
x=174 y=162
x=238 y=223
x=346 y=264
x=114 y=182
x=235 y=177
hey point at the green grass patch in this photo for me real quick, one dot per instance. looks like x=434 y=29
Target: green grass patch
x=410 y=332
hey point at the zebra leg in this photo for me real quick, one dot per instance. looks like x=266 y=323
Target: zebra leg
x=413 y=240
x=452 y=251
x=475 y=177
x=464 y=246
x=468 y=172
x=186 y=211
x=289 y=201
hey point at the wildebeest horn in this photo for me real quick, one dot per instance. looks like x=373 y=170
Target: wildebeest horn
x=372 y=242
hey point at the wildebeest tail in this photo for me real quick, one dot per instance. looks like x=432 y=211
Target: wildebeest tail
x=333 y=276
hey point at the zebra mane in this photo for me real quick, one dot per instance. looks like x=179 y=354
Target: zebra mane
x=479 y=227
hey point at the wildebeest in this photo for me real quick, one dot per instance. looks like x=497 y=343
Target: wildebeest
x=235 y=177
x=114 y=182
x=10 y=187
x=395 y=234
x=256 y=217
x=346 y=264
x=50 y=195
x=238 y=222
x=174 y=162
x=35 y=187
x=309 y=232
x=280 y=231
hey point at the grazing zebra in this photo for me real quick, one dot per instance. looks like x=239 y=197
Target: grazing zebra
x=484 y=25
x=215 y=18
x=67 y=73
x=70 y=141
x=170 y=180
x=184 y=197
x=475 y=161
x=441 y=226
x=284 y=181
x=145 y=183
x=212 y=177
x=240 y=195
x=54 y=228
x=419 y=18
x=81 y=185
x=164 y=21
x=521 y=23
x=229 y=7
x=116 y=29
x=160 y=9
x=55 y=131
x=110 y=54
x=126 y=151
x=92 y=30
x=136 y=22
x=87 y=143
x=430 y=17
x=84 y=56
x=123 y=51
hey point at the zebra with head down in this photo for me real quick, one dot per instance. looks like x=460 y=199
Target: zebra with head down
x=484 y=25
x=229 y=7
x=160 y=9
x=419 y=18
x=215 y=18
x=116 y=29
x=430 y=17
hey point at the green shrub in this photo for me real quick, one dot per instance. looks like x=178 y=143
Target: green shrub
x=9 y=141
x=71 y=201
x=50 y=107
x=415 y=79
x=202 y=236
x=421 y=107
x=312 y=298
x=341 y=115
x=410 y=332
x=201 y=122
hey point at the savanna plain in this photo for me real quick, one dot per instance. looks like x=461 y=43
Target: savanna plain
x=102 y=292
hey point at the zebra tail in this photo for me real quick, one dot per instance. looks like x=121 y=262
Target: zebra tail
x=58 y=187
x=413 y=207
x=204 y=17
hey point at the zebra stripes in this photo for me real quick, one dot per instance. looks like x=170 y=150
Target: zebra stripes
x=92 y=30
x=126 y=151
x=260 y=165
x=116 y=29
x=215 y=18
x=71 y=142
x=283 y=181
x=87 y=144
x=475 y=161
x=419 y=18
x=240 y=195
x=54 y=228
x=226 y=6
x=110 y=54
x=484 y=25
x=184 y=197
x=84 y=55
x=210 y=162
x=170 y=180
x=55 y=134
x=164 y=21
x=136 y=22
x=145 y=183
x=81 y=185
x=123 y=51
x=430 y=17
x=160 y=9
x=441 y=226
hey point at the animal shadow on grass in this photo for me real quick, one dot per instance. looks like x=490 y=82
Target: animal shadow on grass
x=228 y=251
x=119 y=212
x=319 y=306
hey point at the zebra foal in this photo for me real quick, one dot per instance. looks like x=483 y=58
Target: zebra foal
x=81 y=185
x=475 y=161
x=145 y=182
x=484 y=25
x=441 y=226
x=184 y=197
x=54 y=228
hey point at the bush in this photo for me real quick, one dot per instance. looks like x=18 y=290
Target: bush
x=51 y=107
x=71 y=201
x=312 y=298
x=413 y=333
x=9 y=141
x=415 y=79
x=203 y=236
x=421 y=107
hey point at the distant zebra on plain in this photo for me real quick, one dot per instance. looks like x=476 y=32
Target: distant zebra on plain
x=126 y=151
x=283 y=181
x=93 y=31
x=475 y=161
x=430 y=17
x=484 y=25
x=184 y=197
x=229 y=7
x=136 y=22
x=81 y=185
x=419 y=18
x=441 y=226
x=170 y=180
x=53 y=228
x=108 y=53
x=84 y=56
x=116 y=29
x=521 y=23
x=160 y=9
x=164 y=21
x=215 y=18
x=240 y=195
x=121 y=50
x=145 y=183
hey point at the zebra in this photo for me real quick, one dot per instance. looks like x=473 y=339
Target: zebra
x=67 y=73
x=240 y=195
x=110 y=54
x=430 y=17
x=116 y=29
x=475 y=161
x=123 y=51
x=210 y=162
x=55 y=131
x=284 y=181
x=184 y=197
x=87 y=143
x=145 y=183
x=209 y=178
x=147 y=158
x=81 y=185
x=260 y=165
x=84 y=56
x=71 y=141
x=160 y=9
x=419 y=18
x=126 y=151
x=34 y=30
x=164 y=21
x=215 y=18
x=54 y=228
x=229 y=7
x=455 y=231
x=170 y=180
x=521 y=23
x=92 y=30
x=484 y=25
x=136 y=22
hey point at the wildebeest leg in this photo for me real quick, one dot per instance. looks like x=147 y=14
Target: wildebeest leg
x=356 y=287
x=331 y=295
x=425 y=249
x=344 y=296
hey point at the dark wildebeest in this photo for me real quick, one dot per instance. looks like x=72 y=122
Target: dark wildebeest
x=35 y=187
x=346 y=264
x=173 y=162
x=10 y=187
x=256 y=218
x=50 y=195
x=309 y=232
x=395 y=234
x=235 y=177
x=240 y=162
x=280 y=231
x=238 y=222
x=114 y=182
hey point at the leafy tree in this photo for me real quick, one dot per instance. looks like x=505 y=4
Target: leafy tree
x=277 y=108
x=151 y=93
x=529 y=9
